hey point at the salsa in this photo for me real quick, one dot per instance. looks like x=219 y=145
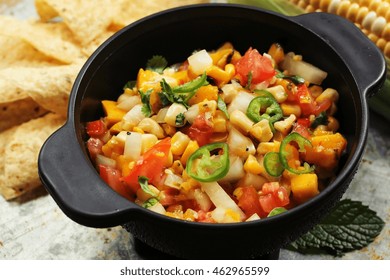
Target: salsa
x=220 y=137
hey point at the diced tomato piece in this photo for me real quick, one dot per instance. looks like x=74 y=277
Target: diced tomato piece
x=273 y=195
x=254 y=64
x=94 y=146
x=205 y=217
x=321 y=107
x=305 y=100
x=151 y=164
x=249 y=202
x=201 y=130
x=302 y=127
x=96 y=128
x=112 y=177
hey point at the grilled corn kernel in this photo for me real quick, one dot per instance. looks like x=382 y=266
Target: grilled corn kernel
x=252 y=165
x=241 y=121
x=190 y=149
x=265 y=147
x=330 y=94
x=291 y=109
x=179 y=143
x=285 y=125
x=266 y=132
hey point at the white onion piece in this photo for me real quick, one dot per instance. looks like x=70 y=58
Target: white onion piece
x=203 y=200
x=236 y=170
x=254 y=217
x=160 y=117
x=239 y=144
x=129 y=102
x=192 y=113
x=133 y=145
x=106 y=161
x=199 y=62
x=240 y=102
x=301 y=68
x=158 y=208
x=133 y=117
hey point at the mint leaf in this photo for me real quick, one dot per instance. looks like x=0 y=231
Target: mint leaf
x=157 y=64
x=350 y=226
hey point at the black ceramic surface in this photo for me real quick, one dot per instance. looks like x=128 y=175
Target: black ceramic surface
x=355 y=67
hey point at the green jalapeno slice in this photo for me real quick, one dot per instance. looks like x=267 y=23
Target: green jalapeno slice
x=283 y=153
x=266 y=104
x=272 y=164
x=209 y=163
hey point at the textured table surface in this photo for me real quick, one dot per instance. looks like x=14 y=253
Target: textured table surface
x=33 y=227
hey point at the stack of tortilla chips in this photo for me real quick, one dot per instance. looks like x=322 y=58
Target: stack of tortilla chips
x=39 y=61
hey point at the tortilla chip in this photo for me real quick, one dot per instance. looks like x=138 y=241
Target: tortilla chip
x=92 y=46
x=132 y=10
x=21 y=145
x=19 y=111
x=45 y=41
x=86 y=18
x=16 y=52
x=48 y=86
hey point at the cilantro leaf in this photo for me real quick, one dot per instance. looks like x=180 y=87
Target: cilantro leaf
x=144 y=183
x=180 y=119
x=150 y=202
x=222 y=106
x=249 y=83
x=295 y=79
x=145 y=99
x=321 y=119
x=350 y=226
x=157 y=64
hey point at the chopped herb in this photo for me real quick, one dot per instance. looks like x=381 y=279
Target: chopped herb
x=350 y=226
x=150 y=202
x=130 y=85
x=222 y=106
x=180 y=119
x=145 y=98
x=276 y=211
x=295 y=79
x=157 y=64
x=181 y=94
x=143 y=182
x=321 y=119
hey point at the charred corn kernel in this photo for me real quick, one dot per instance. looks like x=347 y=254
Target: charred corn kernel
x=208 y=92
x=138 y=129
x=190 y=215
x=190 y=149
x=116 y=128
x=277 y=53
x=222 y=76
x=147 y=141
x=208 y=106
x=168 y=129
x=179 y=143
x=112 y=112
x=241 y=121
x=177 y=167
x=221 y=56
x=261 y=131
x=149 y=125
x=265 y=147
x=235 y=57
x=285 y=125
x=304 y=187
x=330 y=94
x=278 y=93
x=291 y=109
x=252 y=165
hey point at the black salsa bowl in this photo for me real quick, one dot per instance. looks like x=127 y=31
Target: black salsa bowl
x=356 y=68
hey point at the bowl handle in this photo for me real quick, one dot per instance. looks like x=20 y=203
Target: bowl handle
x=366 y=62
x=68 y=175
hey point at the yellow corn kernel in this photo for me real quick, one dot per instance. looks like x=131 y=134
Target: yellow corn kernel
x=285 y=125
x=208 y=106
x=304 y=187
x=116 y=128
x=168 y=129
x=291 y=109
x=151 y=126
x=278 y=92
x=138 y=129
x=266 y=132
x=190 y=215
x=147 y=141
x=112 y=112
x=265 y=147
x=219 y=122
x=251 y=165
x=179 y=143
x=208 y=92
x=190 y=149
x=222 y=76
x=277 y=53
x=123 y=164
x=241 y=121
x=177 y=168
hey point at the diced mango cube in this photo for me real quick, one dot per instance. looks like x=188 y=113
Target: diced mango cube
x=304 y=187
x=113 y=113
